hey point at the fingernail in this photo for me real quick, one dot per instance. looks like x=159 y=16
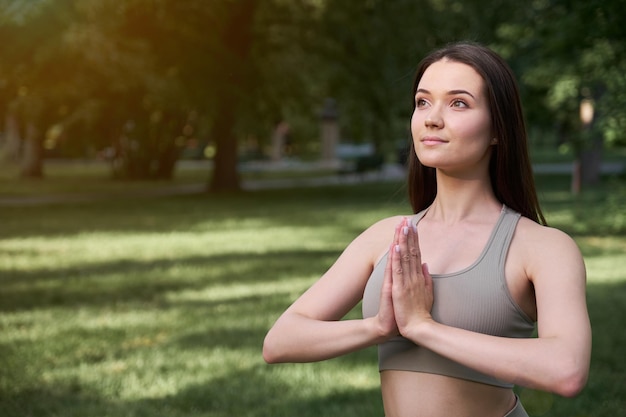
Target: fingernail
x=405 y=230
x=397 y=248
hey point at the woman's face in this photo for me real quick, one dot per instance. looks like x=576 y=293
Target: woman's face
x=451 y=124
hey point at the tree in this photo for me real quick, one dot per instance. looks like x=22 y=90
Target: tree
x=564 y=65
x=269 y=72
x=138 y=109
x=237 y=37
x=143 y=77
x=371 y=50
x=34 y=73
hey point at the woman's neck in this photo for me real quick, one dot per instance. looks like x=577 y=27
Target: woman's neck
x=463 y=198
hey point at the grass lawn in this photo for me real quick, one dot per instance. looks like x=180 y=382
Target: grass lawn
x=158 y=306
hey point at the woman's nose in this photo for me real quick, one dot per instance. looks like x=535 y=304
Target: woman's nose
x=433 y=119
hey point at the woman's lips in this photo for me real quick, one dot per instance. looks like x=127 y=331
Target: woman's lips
x=432 y=140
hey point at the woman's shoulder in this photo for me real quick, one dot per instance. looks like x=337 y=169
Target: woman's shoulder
x=386 y=226
x=387 y=222
x=381 y=232
x=377 y=237
x=545 y=242
x=532 y=230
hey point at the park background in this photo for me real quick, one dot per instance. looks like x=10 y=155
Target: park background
x=175 y=173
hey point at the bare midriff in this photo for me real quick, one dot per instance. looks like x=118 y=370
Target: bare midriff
x=417 y=394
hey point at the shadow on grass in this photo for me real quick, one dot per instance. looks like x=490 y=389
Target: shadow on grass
x=605 y=394
x=176 y=213
x=147 y=281
x=263 y=390
x=252 y=392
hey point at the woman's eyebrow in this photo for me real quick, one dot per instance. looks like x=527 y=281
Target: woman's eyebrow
x=455 y=92
x=450 y=93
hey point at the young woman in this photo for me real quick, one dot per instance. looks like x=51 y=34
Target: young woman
x=452 y=294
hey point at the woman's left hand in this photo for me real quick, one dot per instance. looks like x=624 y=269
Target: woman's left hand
x=412 y=287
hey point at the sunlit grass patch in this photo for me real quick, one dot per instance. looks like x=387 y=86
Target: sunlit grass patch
x=235 y=291
x=159 y=307
x=606 y=269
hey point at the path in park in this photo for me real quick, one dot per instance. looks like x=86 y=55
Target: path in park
x=389 y=172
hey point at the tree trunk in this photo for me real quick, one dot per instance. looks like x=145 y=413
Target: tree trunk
x=591 y=162
x=237 y=40
x=576 y=177
x=167 y=162
x=12 y=140
x=225 y=174
x=32 y=157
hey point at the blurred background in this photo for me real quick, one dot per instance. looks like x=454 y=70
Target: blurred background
x=143 y=84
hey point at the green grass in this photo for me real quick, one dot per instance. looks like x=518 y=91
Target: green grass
x=91 y=177
x=553 y=153
x=158 y=306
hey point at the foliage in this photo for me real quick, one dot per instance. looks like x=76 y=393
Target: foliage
x=566 y=51
x=122 y=308
x=144 y=79
x=370 y=54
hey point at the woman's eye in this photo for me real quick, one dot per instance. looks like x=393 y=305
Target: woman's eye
x=420 y=102
x=459 y=103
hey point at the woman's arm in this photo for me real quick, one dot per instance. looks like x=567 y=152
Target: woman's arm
x=311 y=329
x=556 y=361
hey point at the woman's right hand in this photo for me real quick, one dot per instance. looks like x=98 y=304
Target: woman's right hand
x=386 y=317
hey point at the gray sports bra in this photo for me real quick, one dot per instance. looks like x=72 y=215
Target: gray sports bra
x=476 y=298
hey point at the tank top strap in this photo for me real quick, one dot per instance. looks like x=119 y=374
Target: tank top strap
x=418 y=216
x=503 y=235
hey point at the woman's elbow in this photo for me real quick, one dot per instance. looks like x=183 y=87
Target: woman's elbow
x=269 y=356
x=571 y=382
x=271 y=352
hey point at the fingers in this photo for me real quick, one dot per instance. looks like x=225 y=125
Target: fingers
x=414 y=247
x=398 y=265
x=394 y=260
x=387 y=277
x=412 y=295
x=407 y=247
x=386 y=316
x=404 y=263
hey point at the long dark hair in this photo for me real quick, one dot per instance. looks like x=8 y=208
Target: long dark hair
x=509 y=167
